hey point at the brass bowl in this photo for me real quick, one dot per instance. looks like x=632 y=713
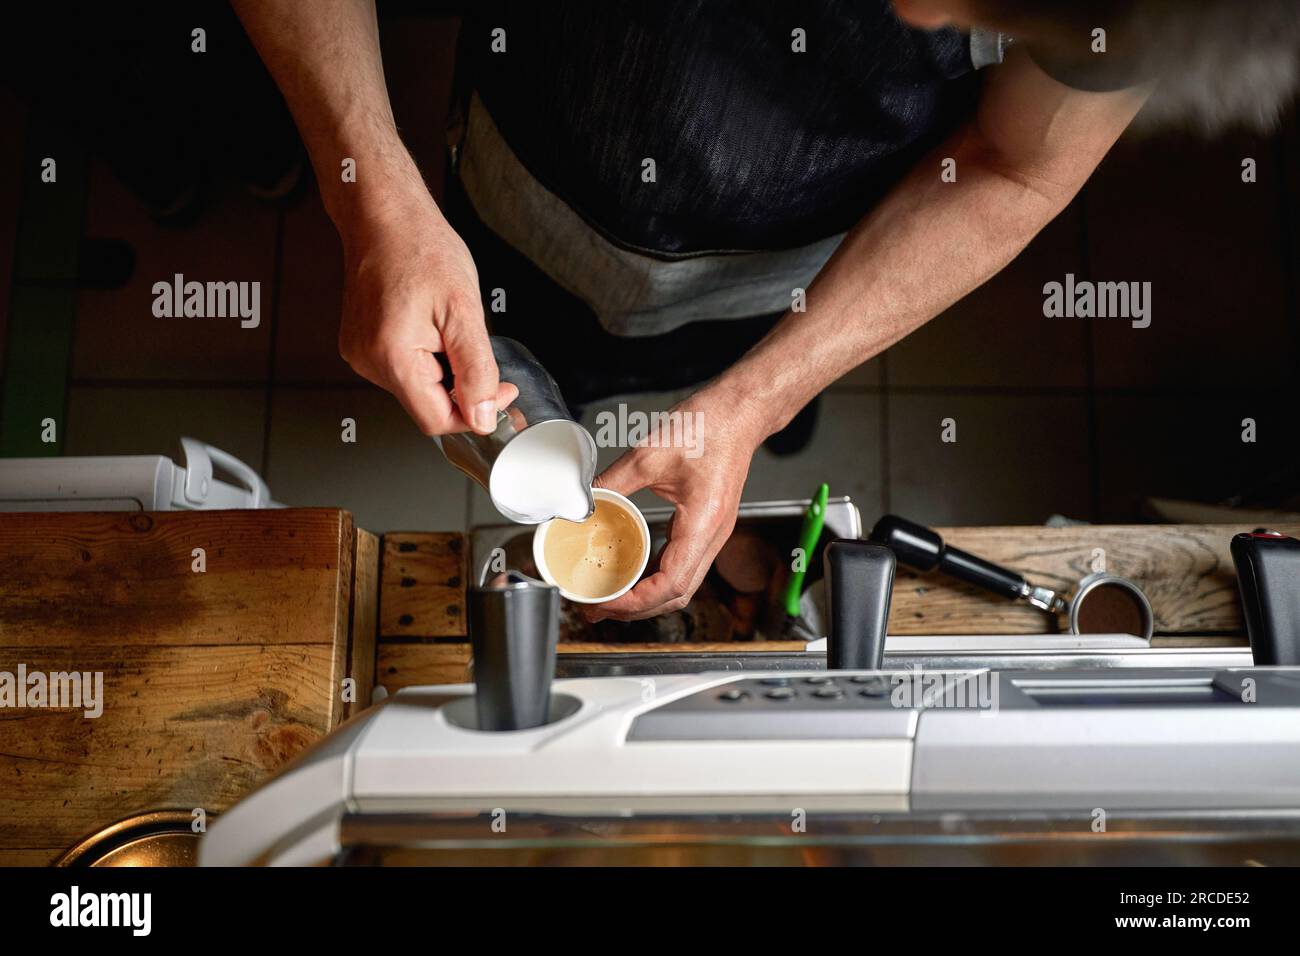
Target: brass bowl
x=157 y=838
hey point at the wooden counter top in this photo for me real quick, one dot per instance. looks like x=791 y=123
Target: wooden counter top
x=212 y=678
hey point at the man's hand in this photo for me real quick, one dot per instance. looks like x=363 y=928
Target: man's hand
x=411 y=290
x=706 y=490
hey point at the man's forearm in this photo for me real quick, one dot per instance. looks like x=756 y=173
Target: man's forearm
x=931 y=242
x=927 y=245
x=325 y=58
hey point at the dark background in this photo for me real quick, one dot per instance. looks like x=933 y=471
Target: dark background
x=1087 y=418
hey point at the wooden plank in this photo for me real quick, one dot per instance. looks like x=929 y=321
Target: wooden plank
x=212 y=679
x=1195 y=512
x=365 y=619
x=181 y=727
x=422 y=585
x=127 y=577
x=1186 y=572
x=341 y=645
x=30 y=856
x=408 y=665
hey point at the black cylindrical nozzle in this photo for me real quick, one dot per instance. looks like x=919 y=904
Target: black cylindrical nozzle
x=514 y=629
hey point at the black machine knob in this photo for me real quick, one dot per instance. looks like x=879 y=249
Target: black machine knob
x=514 y=627
x=859 y=579
x=1268 y=576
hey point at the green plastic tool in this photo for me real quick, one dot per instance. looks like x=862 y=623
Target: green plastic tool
x=809 y=533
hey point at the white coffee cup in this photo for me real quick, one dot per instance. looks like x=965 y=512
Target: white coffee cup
x=600 y=494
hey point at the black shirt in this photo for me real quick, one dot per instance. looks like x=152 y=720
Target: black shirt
x=755 y=146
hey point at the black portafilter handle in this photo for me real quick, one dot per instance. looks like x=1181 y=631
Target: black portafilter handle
x=918 y=547
x=859 y=580
x=1268 y=576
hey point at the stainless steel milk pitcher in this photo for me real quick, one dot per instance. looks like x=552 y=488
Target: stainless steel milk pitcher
x=539 y=403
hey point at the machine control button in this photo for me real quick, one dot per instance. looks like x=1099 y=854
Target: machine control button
x=872 y=686
x=754 y=707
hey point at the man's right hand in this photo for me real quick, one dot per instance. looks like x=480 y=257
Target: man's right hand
x=410 y=291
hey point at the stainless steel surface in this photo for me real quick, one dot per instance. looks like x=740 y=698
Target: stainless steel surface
x=1043 y=598
x=1093 y=581
x=1052 y=602
x=842 y=521
x=835 y=836
x=411 y=787
x=539 y=402
x=936 y=657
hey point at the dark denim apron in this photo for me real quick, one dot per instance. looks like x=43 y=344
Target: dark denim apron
x=756 y=146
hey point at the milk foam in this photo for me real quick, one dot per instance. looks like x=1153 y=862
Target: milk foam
x=598 y=556
x=540 y=474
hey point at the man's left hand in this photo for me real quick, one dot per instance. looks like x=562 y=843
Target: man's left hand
x=704 y=481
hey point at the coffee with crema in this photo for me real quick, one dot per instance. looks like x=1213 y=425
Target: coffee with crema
x=595 y=557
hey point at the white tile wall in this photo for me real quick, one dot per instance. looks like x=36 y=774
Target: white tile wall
x=1016 y=460
x=392 y=478
x=151 y=421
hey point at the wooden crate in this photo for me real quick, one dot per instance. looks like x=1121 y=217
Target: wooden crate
x=422 y=617
x=212 y=679
x=1185 y=570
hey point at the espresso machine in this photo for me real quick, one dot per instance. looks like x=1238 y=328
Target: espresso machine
x=863 y=762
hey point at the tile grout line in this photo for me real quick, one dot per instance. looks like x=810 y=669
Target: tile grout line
x=886 y=490
x=277 y=281
x=39 y=387
x=76 y=308
x=1090 y=371
x=995 y=391
x=1289 y=238
x=250 y=384
x=467 y=522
